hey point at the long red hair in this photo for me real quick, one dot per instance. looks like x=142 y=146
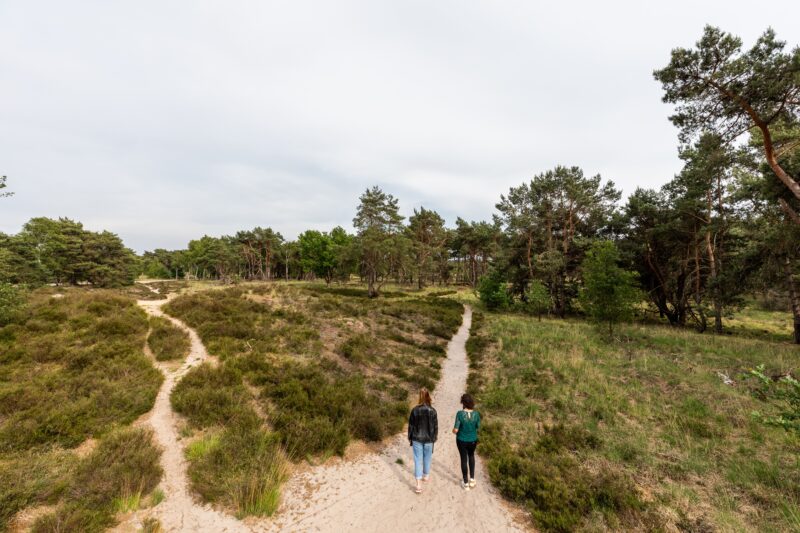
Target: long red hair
x=424 y=396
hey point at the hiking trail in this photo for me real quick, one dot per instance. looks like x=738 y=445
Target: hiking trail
x=376 y=492
x=372 y=493
x=179 y=511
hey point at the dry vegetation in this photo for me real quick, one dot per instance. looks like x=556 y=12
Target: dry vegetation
x=639 y=434
x=298 y=365
x=72 y=368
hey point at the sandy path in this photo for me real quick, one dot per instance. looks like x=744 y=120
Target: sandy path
x=179 y=511
x=373 y=493
x=376 y=493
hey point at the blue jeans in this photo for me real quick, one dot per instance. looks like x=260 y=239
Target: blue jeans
x=423 y=453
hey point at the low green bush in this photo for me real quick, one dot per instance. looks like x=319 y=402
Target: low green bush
x=209 y=396
x=554 y=486
x=166 y=340
x=73 y=367
x=493 y=291
x=124 y=465
x=32 y=478
x=358 y=349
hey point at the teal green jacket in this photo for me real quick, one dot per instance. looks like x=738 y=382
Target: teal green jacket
x=467 y=425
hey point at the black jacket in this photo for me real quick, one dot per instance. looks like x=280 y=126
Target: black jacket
x=423 y=426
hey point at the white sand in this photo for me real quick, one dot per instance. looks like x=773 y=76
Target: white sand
x=373 y=493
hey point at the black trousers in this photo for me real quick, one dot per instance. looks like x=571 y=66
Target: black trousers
x=467 y=452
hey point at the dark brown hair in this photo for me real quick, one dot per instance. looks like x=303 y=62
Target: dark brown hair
x=467 y=401
x=424 y=396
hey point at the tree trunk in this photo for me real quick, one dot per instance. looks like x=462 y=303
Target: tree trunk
x=712 y=266
x=698 y=297
x=372 y=291
x=530 y=261
x=794 y=297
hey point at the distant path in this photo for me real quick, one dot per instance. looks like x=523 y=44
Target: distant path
x=179 y=511
x=376 y=494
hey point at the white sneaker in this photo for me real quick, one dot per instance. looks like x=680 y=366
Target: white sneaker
x=472 y=483
x=465 y=486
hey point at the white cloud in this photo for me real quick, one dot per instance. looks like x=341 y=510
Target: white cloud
x=163 y=121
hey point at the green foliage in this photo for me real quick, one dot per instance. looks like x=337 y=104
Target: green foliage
x=546 y=223
x=537 y=298
x=784 y=391
x=164 y=264
x=320 y=410
x=325 y=254
x=3 y=185
x=242 y=469
x=717 y=87
x=493 y=292
x=72 y=367
x=166 y=340
x=428 y=237
x=558 y=491
x=61 y=251
x=380 y=235
x=475 y=244
x=358 y=348
x=12 y=299
x=609 y=292
x=124 y=467
x=210 y=396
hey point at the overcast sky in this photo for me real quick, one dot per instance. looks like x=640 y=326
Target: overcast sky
x=164 y=121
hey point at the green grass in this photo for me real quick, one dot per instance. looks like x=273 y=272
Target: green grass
x=242 y=468
x=588 y=434
x=754 y=321
x=166 y=341
x=156 y=497
x=202 y=446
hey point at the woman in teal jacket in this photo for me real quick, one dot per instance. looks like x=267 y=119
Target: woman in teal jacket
x=468 y=422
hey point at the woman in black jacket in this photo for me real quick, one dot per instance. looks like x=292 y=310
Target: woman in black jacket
x=423 y=428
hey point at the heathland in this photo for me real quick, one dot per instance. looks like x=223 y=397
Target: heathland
x=657 y=428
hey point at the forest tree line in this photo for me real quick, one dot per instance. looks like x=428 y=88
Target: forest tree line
x=726 y=225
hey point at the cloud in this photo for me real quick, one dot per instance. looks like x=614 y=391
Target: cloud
x=165 y=121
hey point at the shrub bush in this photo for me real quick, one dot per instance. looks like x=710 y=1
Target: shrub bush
x=493 y=292
x=124 y=464
x=209 y=396
x=166 y=340
x=358 y=348
x=73 y=368
x=32 y=478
